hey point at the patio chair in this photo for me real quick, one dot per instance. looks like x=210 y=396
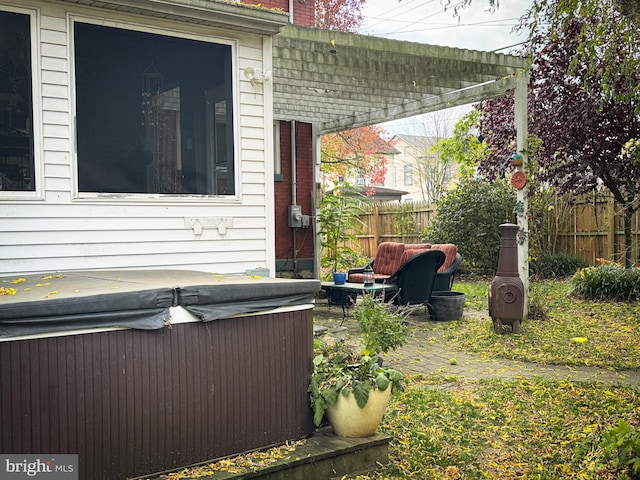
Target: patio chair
x=444 y=277
x=388 y=259
x=415 y=278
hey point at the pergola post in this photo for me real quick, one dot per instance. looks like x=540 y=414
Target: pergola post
x=522 y=208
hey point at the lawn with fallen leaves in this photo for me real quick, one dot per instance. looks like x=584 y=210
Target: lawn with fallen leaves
x=502 y=430
x=574 y=331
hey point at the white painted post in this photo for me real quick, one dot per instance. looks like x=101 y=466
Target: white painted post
x=522 y=206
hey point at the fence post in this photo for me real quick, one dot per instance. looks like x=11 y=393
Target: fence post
x=376 y=228
x=611 y=230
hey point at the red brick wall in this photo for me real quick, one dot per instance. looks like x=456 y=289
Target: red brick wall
x=304 y=239
x=303 y=10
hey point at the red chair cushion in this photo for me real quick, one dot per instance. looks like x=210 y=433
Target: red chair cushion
x=450 y=251
x=411 y=249
x=417 y=246
x=388 y=258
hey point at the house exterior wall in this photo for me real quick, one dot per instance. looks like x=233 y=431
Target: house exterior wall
x=294 y=246
x=55 y=228
x=395 y=177
x=410 y=149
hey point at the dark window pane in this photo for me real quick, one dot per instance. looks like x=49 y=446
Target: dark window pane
x=154 y=113
x=16 y=105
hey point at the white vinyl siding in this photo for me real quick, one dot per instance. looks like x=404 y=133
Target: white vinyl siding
x=64 y=232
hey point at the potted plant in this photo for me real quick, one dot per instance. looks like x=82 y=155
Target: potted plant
x=350 y=387
x=339 y=219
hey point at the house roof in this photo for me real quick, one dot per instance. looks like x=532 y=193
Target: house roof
x=379 y=193
x=338 y=80
x=419 y=142
x=216 y=13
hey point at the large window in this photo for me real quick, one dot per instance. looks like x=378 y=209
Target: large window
x=154 y=113
x=17 y=166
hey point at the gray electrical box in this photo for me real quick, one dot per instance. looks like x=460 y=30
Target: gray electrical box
x=295 y=216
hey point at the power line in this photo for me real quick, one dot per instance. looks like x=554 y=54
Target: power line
x=401 y=12
x=444 y=27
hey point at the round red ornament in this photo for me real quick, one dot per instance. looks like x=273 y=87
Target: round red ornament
x=518 y=180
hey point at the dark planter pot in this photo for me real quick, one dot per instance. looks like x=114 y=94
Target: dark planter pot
x=339 y=278
x=445 y=306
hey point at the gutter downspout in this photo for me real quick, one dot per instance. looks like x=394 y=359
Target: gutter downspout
x=294 y=188
x=291 y=12
x=317 y=249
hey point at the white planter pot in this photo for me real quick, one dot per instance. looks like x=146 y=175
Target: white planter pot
x=349 y=420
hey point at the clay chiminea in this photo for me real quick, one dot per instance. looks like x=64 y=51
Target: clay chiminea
x=506 y=294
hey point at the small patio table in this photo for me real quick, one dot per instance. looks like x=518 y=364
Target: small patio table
x=346 y=294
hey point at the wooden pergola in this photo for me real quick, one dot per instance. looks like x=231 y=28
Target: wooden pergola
x=338 y=81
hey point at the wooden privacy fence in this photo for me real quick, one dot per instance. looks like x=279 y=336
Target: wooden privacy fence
x=590 y=227
x=594 y=228
x=392 y=222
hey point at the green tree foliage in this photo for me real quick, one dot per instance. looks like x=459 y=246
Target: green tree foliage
x=464 y=147
x=470 y=216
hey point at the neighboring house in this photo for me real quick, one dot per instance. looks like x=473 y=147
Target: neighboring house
x=417 y=170
x=139 y=134
x=375 y=194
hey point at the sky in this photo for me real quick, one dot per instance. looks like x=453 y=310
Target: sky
x=426 y=21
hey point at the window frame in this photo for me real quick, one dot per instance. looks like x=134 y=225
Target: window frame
x=408 y=175
x=77 y=194
x=36 y=105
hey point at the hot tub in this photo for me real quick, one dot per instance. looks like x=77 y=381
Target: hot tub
x=143 y=371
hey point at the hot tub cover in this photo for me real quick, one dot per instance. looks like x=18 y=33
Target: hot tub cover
x=138 y=299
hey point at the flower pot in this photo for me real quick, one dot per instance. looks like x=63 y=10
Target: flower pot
x=349 y=420
x=446 y=305
x=339 y=278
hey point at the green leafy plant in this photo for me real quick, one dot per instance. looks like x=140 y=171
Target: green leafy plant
x=621 y=445
x=607 y=282
x=381 y=326
x=556 y=265
x=338 y=369
x=339 y=221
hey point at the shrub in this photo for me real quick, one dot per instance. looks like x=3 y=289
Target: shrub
x=470 y=216
x=339 y=220
x=607 y=282
x=556 y=265
x=621 y=445
x=381 y=326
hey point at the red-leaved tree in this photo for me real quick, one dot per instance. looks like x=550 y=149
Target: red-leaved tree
x=353 y=153
x=345 y=15
x=582 y=126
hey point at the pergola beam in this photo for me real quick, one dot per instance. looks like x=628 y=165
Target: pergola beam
x=448 y=100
